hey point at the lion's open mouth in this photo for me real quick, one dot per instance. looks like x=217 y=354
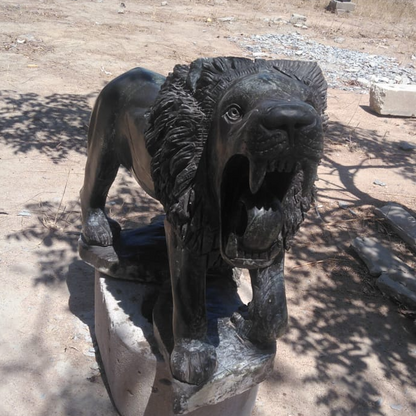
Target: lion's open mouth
x=252 y=201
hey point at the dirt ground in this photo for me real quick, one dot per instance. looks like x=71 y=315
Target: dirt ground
x=349 y=351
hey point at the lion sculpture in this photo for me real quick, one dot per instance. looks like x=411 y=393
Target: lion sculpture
x=230 y=147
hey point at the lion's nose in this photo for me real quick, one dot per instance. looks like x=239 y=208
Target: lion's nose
x=288 y=116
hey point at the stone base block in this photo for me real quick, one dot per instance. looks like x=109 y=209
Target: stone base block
x=138 y=378
x=394 y=100
x=340 y=6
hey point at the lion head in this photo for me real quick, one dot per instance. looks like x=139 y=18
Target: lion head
x=248 y=135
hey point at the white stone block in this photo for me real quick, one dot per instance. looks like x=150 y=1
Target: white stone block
x=339 y=6
x=394 y=100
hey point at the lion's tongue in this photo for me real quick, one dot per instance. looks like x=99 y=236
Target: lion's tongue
x=263 y=227
x=258 y=223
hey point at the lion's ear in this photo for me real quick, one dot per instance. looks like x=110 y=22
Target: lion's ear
x=195 y=70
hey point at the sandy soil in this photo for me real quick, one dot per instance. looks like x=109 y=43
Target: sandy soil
x=349 y=350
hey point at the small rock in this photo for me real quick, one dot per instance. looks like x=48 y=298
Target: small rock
x=164 y=3
x=339 y=40
x=259 y=54
x=299 y=53
x=90 y=352
x=226 y=19
x=297 y=18
x=407 y=146
x=364 y=82
x=121 y=8
x=378 y=402
x=396 y=406
x=379 y=183
x=343 y=204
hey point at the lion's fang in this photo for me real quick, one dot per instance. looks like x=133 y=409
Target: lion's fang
x=257 y=174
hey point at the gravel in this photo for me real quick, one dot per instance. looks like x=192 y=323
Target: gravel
x=343 y=68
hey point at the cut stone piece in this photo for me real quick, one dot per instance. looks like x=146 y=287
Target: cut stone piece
x=401 y=221
x=379 y=259
x=340 y=6
x=397 y=291
x=393 y=99
x=138 y=378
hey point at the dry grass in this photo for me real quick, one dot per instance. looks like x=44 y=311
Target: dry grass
x=389 y=11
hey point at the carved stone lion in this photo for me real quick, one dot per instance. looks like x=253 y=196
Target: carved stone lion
x=230 y=147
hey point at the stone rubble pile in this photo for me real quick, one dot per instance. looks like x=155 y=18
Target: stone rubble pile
x=343 y=68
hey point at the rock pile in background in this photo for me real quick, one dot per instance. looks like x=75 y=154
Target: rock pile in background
x=343 y=68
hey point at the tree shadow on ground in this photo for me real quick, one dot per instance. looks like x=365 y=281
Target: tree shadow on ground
x=374 y=147
x=352 y=335
x=55 y=234
x=53 y=125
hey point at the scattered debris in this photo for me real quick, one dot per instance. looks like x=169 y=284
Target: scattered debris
x=24 y=213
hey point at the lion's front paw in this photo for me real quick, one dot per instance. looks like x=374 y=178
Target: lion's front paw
x=98 y=229
x=261 y=333
x=193 y=361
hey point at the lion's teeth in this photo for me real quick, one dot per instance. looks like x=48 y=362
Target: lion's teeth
x=257 y=174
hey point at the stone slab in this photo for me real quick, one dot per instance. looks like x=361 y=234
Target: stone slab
x=138 y=378
x=393 y=99
x=337 y=6
x=397 y=291
x=379 y=259
x=401 y=221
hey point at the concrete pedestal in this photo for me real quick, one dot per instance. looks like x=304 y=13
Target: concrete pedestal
x=138 y=378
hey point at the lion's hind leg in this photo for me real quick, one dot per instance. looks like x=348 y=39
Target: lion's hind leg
x=100 y=172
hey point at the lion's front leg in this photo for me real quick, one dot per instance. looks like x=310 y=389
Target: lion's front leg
x=193 y=359
x=266 y=319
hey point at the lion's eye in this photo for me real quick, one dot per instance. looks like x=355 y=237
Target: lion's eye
x=233 y=113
